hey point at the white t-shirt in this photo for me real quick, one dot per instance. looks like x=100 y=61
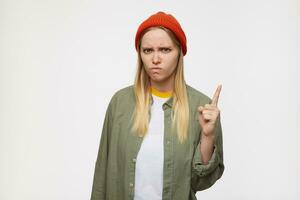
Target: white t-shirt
x=150 y=158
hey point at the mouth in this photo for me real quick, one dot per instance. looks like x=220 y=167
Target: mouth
x=155 y=68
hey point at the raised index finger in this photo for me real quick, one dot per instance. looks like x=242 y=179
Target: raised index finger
x=216 y=95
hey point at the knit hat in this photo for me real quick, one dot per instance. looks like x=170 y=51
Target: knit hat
x=167 y=21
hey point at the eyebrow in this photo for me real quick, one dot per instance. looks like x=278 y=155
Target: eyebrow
x=159 y=47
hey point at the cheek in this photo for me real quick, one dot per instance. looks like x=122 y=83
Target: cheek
x=172 y=63
x=145 y=61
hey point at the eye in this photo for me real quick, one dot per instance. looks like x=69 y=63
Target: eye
x=147 y=50
x=165 y=50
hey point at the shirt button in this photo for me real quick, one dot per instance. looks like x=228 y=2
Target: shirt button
x=134 y=160
x=131 y=184
x=168 y=142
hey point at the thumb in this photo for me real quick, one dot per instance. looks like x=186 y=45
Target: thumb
x=200 y=116
x=200 y=109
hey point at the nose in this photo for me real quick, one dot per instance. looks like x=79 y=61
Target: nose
x=156 y=58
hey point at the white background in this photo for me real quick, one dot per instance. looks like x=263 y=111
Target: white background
x=61 y=61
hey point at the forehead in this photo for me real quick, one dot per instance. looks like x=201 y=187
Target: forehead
x=156 y=37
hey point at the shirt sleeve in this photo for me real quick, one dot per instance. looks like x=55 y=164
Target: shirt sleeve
x=99 y=181
x=204 y=176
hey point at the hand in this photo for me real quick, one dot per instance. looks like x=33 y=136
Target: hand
x=209 y=113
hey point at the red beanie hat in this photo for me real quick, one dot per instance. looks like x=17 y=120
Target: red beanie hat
x=167 y=21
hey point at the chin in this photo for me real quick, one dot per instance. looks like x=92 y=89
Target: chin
x=158 y=79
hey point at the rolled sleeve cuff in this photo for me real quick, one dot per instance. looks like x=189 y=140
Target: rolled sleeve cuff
x=202 y=170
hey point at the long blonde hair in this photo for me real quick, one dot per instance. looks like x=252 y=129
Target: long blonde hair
x=180 y=107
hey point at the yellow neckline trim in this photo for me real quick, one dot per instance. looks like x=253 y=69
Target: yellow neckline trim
x=159 y=93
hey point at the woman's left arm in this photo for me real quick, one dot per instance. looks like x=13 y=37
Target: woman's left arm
x=208 y=164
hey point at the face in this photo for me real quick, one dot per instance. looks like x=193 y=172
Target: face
x=159 y=55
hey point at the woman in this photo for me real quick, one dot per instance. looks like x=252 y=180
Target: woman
x=161 y=138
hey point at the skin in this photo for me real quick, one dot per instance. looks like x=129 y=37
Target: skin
x=208 y=115
x=159 y=55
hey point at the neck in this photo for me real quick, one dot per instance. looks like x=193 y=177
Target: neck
x=162 y=88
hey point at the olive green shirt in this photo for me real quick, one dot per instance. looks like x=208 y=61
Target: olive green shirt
x=183 y=171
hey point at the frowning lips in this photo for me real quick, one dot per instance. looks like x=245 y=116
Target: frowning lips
x=155 y=68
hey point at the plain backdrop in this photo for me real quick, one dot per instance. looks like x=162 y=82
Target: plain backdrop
x=62 y=60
